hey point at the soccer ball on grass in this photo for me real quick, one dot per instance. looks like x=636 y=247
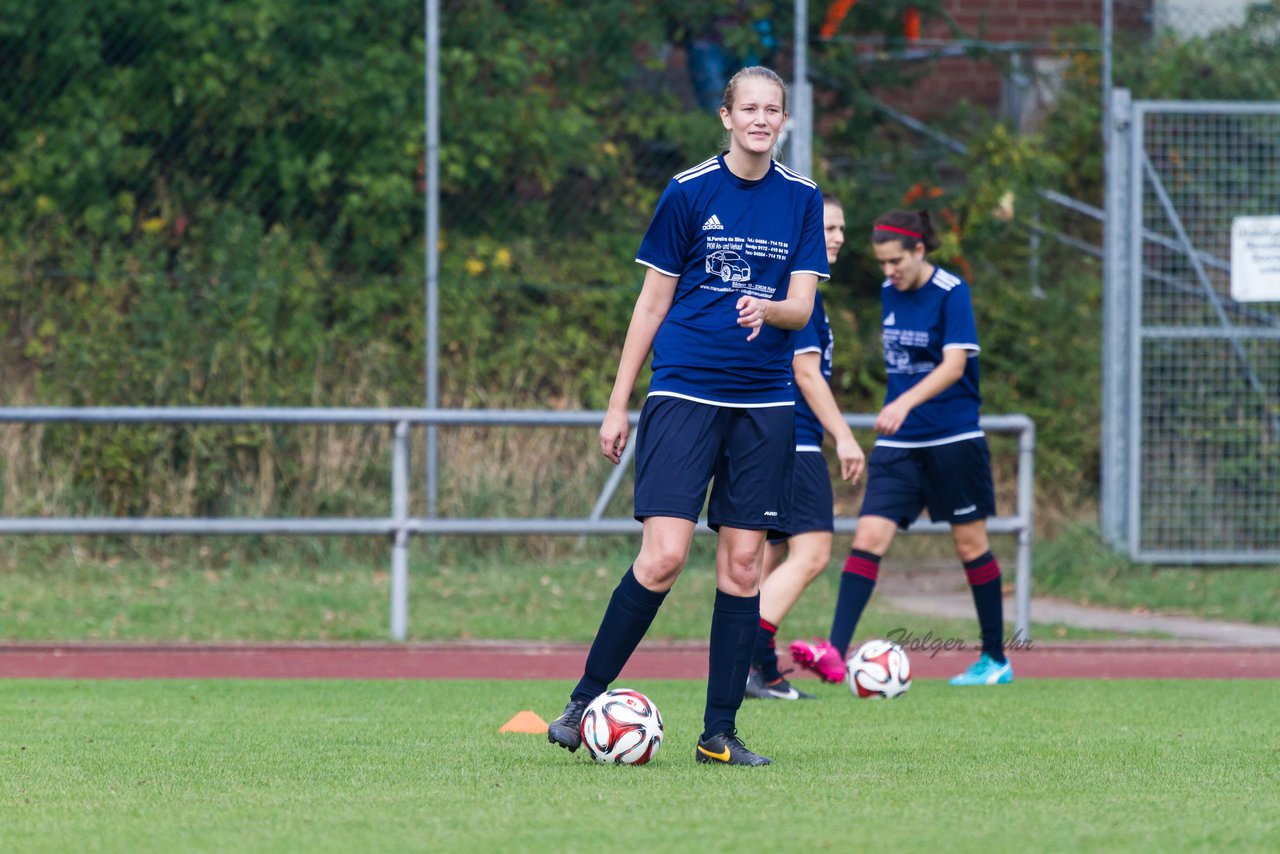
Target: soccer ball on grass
x=622 y=727
x=879 y=668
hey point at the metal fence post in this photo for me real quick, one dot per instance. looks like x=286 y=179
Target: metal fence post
x=1026 y=508
x=400 y=535
x=801 y=145
x=1131 y=337
x=1116 y=284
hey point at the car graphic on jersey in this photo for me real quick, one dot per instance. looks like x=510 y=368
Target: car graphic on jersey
x=728 y=265
x=896 y=359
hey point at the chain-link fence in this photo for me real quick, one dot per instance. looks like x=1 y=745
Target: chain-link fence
x=141 y=137
x=222 y=203
x=612 y=99
x=140 y=120
x=1194 y=374
x=137 y=118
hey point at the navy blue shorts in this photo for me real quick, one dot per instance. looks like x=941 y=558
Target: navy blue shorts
x=953 y=481
x=812 y=501
x=746 y=455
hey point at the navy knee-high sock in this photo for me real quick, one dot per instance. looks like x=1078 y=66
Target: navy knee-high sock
x=733 y=631
x=856 y=583
x=630 y=611
x=765 y=658
x=984 y=580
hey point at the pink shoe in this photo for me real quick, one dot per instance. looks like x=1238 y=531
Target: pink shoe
x=820 y=657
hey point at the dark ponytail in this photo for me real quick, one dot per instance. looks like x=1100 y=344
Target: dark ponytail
x=910 y=228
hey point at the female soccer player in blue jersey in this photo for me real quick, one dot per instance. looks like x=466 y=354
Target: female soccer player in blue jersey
x=734 y=254
x=930 y=451
x=791 y=565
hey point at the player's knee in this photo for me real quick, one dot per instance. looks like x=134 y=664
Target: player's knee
x=658 y=566
x=656 y=578
x=815 y=565
x=971 y=545
x=740 y=566
x=737 y=582
x=742 y=561
x=870 y=543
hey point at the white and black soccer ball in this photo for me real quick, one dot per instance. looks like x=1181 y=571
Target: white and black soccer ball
x=879 y=669
x=622 y=727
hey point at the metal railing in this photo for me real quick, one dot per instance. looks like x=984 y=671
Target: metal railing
x=399 y=525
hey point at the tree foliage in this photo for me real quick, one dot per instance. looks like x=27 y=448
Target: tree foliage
x=222 y=203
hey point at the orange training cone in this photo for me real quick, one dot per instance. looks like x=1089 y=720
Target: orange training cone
x=525 y=721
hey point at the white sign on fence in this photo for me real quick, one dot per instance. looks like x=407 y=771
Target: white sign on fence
x=1255 y=259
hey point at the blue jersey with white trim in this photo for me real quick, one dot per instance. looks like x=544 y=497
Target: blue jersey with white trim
x=816 y=337
x=917 y=326
x=725 y=238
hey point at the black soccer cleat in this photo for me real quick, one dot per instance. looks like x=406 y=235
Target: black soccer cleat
x=727 y=749
x=759 y=689
x=566 y=730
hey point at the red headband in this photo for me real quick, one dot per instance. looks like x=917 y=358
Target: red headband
x=897 y=230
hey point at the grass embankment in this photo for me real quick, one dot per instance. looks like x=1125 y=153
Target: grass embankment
x=337 y=598
x=330 y=593
x=1076 y=565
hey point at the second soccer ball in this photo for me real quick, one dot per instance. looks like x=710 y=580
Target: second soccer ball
x=879 y=669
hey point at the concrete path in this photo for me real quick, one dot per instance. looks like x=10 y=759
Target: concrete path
x=939 y=591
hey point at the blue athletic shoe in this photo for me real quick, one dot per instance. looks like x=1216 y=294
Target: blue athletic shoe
x=985 y=671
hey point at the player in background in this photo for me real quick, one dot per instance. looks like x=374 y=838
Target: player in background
x=791 y=565
x=734 y=254
x=929 y=452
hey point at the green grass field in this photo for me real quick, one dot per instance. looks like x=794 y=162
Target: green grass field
x=419 y=766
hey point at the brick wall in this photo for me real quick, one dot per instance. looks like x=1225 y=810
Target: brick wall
x=979 y=82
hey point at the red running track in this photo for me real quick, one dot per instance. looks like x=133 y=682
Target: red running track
x=501 y=660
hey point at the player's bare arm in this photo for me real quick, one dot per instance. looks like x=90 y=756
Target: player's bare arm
x=934 y=383
x=650 y=310
x=790 y=313
x=807 y=368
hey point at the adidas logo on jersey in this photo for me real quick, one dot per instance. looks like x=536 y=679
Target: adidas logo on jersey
x=890 y=320
x=713 y=224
